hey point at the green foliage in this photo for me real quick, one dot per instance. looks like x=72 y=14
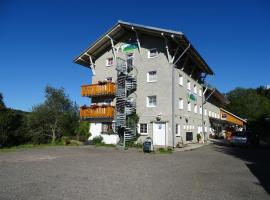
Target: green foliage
x=13 y=130
x=2 y=104
x=83 y=129
x=56 y=117
x=254 y=105
x=199 y=137
x=247 y=103
x=167 y=150
x=98 y=140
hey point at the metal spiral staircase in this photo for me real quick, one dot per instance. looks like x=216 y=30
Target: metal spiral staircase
x=125 y=105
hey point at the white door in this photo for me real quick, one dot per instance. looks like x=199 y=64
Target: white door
x=159 y=133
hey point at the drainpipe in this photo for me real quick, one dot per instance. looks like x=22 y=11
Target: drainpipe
x=173 y=92
x=203 y=92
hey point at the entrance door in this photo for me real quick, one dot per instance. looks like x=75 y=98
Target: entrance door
x=159 y=133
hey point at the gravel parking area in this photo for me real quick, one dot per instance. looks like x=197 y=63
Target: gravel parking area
x=105 y=173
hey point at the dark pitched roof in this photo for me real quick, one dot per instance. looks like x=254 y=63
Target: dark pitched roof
x=119 y=29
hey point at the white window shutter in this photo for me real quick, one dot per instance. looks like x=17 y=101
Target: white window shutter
x=138 y=128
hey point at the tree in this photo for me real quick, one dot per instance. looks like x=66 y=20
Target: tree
x=247 y=103
x=57 y=116
x=83 y=130
x=13 y=129
x=254 y=105
x=2 y=104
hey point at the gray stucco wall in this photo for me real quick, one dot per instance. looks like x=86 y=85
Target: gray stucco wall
x=161 y=88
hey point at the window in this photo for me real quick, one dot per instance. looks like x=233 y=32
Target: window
x=107 y=128
x=188 y=85
x=189 y=106
x=181 y=103
x=109 y=62
x=151 y=101
x=180 y=80
x=152 y=53
x=143 y=129
x=205 y=111
x=195 y=89
x=200 y=109
x=152 y=76
x=109 y=79
x=200 y=92
x=210 y=113
x=195 y=108
x=177 y=130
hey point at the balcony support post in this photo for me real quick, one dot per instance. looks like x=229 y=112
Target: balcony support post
x=137 y=39
x=92 y=65
x=113 y=47
x=167 y=48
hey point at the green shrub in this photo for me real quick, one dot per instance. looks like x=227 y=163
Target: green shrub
x=65 y=140
x=199 y=137
x=98 y=140
x=167 y=150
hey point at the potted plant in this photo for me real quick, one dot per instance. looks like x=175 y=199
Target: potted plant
x=199 y=137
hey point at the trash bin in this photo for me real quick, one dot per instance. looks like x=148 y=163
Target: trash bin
x=148 y=145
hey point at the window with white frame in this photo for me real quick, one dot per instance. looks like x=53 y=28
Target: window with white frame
x=143 y=129
x=188 y=85
x=195 y=89
x=210 y=113
x=189 y=106
x=205 y=111
x=109 y=79
x=152 y=53
x=195 y=108
x=181 y=103
x=151 y=101
x=177 y=130
x=109 y=62
x=200 y=92
x=152 y=76
x=181 y=80
x=107 y=127
x=200 y=109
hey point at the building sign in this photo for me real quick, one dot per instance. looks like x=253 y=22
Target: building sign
x=127 y=48
x=192 y=96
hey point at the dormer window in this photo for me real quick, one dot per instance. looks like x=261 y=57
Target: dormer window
x=152 y=53
x=109 y=62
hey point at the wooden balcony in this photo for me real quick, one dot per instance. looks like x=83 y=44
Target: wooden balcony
x=94 y=112
x=99 y=89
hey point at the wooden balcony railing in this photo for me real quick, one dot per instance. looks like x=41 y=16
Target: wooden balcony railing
x=100 y=89
x=97 y=112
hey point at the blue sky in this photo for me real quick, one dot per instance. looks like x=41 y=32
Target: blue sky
x=39 y=39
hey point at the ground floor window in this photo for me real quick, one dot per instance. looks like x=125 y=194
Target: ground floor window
x=143 y=129
x=107 y=127
x=189 y=136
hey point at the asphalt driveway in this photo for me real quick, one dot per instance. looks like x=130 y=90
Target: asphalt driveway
x=210 y=172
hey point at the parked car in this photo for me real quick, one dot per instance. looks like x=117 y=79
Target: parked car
x=244 y=138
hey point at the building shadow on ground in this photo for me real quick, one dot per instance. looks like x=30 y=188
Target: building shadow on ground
x=258 y=160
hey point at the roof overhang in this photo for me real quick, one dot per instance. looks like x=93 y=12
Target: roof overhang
x=119 y=29
x=226 y=111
